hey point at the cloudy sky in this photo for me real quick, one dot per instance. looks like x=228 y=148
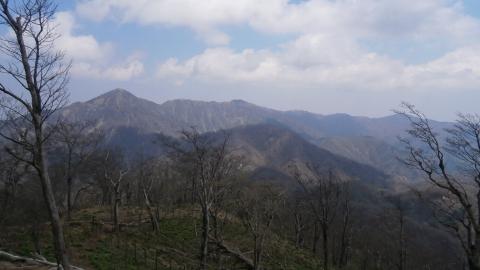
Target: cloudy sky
x=361 y=57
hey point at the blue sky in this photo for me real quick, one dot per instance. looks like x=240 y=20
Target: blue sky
x=326 y=56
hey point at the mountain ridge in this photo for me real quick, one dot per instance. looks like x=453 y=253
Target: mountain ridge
x=126 y=117
x=213 y=116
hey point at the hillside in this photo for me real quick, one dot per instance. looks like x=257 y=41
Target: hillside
x=276 y=147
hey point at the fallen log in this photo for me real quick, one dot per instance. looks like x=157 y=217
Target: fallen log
x=40 y=261
x=234 y=252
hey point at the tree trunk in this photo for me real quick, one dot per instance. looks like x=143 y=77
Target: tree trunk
x=325 y=246
x=344 y=242
x=258 y=252
x=316 y=237
x=255 y=252
x=49 y=197
x=106 y=196
x=116 y=227
x=474 y=257
x=36 y=237
x=153 y=218
x=472 y=264
x=69 y=198
x=402 y=251
x=204 y=245
x=298 y=231
x=116 y=203
x=342 y=259
x=192 y=195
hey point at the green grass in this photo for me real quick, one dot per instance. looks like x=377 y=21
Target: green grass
x=137 y=247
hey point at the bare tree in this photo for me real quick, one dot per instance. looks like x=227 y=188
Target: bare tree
x=257 y=208
x=210 y=165
x=39 y=77
x=114 y=172
x=345 y=227
x=11 y=173
x=77 y=142
x=323 y=195
x=146 y=178
x=459 y=206
x=401 y=209
x=300 y=219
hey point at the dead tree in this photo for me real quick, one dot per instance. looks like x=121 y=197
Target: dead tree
x=322 y=191
x=459 y=206
x=40 y=76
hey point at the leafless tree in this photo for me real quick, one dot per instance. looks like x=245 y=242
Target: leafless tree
x=36 y=90
x=394 y=226
x=257 y=208
x=210 y=164
x=11 y=173
x=459 y=206
x=345 y=227
x=76 y=142
x=401 y=210
x=322 y=191
x=114 y=172
x=300 y=219
x=146 y=177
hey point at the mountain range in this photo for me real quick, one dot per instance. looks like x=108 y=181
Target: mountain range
x=121 y=108
x=361 y=147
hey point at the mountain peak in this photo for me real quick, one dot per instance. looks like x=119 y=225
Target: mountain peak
x=238 y=101
x=116 y=97
x=118 y=92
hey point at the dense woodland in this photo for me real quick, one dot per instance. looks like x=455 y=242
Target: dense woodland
x=74 y=195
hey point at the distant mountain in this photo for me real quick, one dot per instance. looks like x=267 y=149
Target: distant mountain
x=373 y=152
x=272 y=148
x=129 y=120
x=120 y=108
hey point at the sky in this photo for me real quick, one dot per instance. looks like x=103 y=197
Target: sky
x=362 y=57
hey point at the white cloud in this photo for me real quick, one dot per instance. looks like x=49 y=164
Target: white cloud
x=201 y=16
x=328 y=50
x=91 y=58
x=322 y=62
x=457 y=70
x=79 y=47
x=392 y=19
x=121 y=72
